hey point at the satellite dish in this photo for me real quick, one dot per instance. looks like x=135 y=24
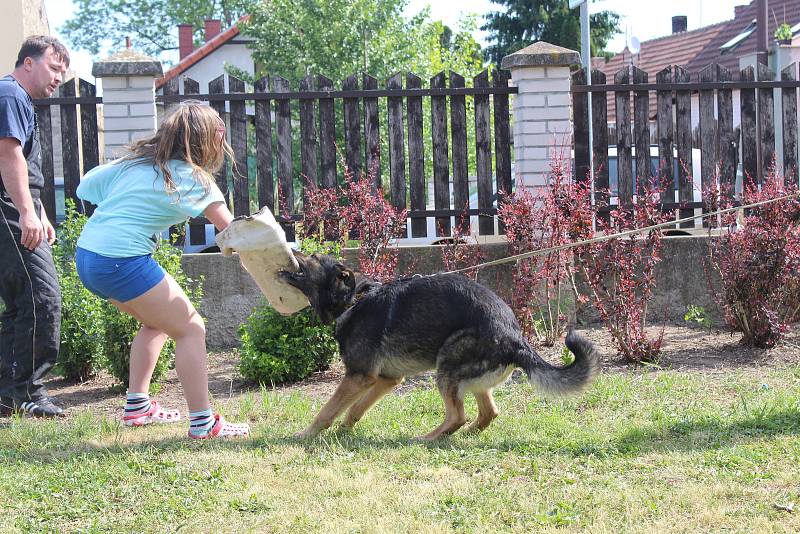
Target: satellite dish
x=634 y=45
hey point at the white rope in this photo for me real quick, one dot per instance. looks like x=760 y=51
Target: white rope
x=608 y=237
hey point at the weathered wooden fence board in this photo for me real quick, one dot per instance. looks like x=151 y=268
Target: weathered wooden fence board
x=308 y=139
x=600 y=140
x=766 y=123
x=238 y=142
x=622 y=102
x=683 y=142
x=458 y=131
x=352 y=128
x=265 y=181
x=416 y=156
x=397 y=158
x=641 y=129
x=441 y=164
x=747 y=97
x=665 y=135
x=789 y=125
x=580 y=117
x=70 y=151
x=372 y=135
x=483 y=154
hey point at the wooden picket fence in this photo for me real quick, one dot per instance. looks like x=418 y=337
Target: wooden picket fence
x=723 y=146
x=320 y=111
x=77 y=102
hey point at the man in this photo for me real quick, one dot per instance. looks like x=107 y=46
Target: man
x=30 y=324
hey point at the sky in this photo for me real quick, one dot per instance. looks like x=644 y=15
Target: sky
x=641 y=18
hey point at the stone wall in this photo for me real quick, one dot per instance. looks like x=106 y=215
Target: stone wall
x=230 y=294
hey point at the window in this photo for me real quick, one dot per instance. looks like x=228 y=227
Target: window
x=736 y=41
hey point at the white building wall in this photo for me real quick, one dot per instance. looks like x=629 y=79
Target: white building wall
x=213 y=65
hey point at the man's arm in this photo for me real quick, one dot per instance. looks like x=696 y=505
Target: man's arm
x=14 y=172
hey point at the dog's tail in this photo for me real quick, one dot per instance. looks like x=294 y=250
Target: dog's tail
x=573 y=378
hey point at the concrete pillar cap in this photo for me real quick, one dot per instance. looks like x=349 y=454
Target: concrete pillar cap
x=128 y=62
x=541 y=54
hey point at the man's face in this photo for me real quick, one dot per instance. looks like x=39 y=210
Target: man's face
x=46 y=73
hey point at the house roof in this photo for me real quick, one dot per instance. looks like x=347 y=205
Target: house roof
x=779 y=11
x=208 y=47
x=697 y=49
x=656 y=54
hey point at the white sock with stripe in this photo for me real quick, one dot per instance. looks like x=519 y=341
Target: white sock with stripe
x=137 y=403
x=201 y=423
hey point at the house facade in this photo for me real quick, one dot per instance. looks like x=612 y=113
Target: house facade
x=207 y=62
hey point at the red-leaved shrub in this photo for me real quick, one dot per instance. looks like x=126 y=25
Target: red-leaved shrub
x=756 y=260
x=459 y=253
x=558 y=214
x=357 y=207
x=620 y=272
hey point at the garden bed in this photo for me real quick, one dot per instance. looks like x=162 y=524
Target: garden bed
x=685 y=348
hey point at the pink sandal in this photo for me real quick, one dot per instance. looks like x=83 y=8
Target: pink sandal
x=224 y=429
x=156 y=414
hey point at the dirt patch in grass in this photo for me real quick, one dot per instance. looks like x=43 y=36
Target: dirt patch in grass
x=693 y=349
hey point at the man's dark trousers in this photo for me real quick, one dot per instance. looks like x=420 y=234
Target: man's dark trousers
x=30 y=324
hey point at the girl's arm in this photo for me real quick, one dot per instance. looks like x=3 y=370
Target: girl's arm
x=219 y=215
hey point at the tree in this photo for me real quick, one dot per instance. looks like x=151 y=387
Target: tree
x=293 y=38
x=149 y=23
x=527 y=21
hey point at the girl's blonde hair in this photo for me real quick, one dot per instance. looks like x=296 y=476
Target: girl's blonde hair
x=189 y=133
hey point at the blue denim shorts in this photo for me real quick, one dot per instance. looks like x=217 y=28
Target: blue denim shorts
x=121 y=279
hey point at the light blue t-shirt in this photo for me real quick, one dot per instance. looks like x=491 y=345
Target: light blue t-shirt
x=133 y=208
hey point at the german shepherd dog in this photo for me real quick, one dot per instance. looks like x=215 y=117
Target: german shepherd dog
x=444 y=322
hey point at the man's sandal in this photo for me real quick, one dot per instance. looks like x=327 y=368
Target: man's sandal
x=224 y=429
x=156 y=414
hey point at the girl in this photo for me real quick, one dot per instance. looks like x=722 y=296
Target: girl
x=163 y=180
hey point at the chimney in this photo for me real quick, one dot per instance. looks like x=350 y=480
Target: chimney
x=213 y=28
x=679 y=24
x=185 y=40
x=738 y=11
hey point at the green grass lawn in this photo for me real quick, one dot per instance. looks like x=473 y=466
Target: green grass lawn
x=661 y=451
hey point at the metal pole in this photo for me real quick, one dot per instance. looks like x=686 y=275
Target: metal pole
x=586 y=57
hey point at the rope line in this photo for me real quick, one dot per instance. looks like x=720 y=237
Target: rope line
x=609 y=237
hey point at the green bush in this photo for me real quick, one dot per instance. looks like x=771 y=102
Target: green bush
x=94 y=333
x=284 y=348
x=80 y=354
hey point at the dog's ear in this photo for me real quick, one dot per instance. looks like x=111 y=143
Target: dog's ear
x=346 y=276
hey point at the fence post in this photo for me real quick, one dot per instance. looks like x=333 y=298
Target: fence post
x=129 y=105
x=542 y=108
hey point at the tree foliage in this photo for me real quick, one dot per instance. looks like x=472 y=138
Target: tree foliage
x=525 y=21
x=340 y=37
x=290 y=37
x=151 y=24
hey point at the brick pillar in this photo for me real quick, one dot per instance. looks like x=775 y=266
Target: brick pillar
x=542 y=108
x=129 y=105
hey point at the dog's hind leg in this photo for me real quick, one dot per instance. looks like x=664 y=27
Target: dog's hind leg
x=349 y=391
x=381 y=387
x=454 y=417
x=487 y=410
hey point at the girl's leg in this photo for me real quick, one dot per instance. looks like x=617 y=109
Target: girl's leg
x=145 y=349
x=164 y=310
